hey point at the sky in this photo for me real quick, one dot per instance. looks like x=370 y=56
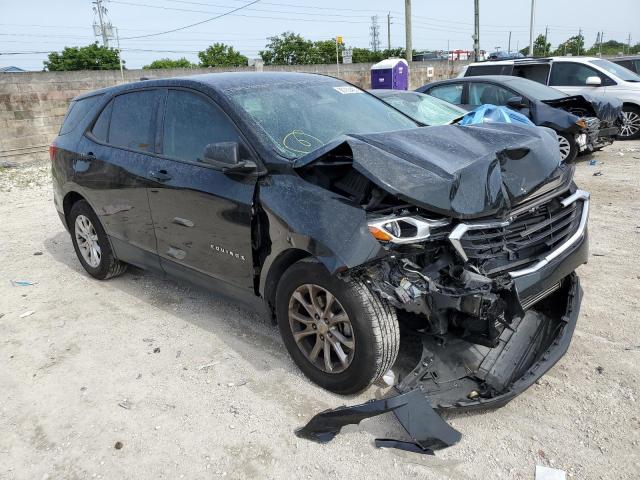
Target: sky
x=50 y=25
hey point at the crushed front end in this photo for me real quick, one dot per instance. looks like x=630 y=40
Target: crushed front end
x=491 y=304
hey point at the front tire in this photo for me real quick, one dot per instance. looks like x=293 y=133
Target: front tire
x=340 y=334
x=630 y=123
x=568 y=147
x=92 y=244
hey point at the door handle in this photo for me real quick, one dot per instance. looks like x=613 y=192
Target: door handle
x=90 y=156
x=160 y=175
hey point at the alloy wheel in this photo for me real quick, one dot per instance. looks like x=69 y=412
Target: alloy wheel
x=321 y=328
x=565 y=147
x=630 y=124
x=87 y=240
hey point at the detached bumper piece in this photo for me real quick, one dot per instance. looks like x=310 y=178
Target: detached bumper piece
x=427 y=430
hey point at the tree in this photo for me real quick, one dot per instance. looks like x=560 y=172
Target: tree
x=289 y=48
x=169 y=63
x=541 y=48
x=221 y=55
x=574 y=46
x=610 y=47
x=91 y=57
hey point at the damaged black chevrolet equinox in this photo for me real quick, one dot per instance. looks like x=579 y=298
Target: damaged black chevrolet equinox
x=342 y=216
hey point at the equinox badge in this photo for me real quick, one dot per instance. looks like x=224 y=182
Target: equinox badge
x=224 y=251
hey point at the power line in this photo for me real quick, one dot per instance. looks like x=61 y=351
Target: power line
x=194 y=24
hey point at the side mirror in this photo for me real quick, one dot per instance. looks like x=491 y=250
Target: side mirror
x=594 y=81
x=516 y=102
x=225 y=156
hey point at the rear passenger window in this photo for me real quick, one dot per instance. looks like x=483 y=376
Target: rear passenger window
x=78 y=109
x=451 y=93
x=133 y=120
x=190 y=123
x=486 y=93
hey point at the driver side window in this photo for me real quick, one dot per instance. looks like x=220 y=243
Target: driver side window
x=191 y=122
x=571 y=74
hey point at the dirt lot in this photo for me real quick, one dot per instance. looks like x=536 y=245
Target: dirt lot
x=122 y=361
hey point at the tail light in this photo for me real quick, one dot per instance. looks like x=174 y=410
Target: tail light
x=53 y=148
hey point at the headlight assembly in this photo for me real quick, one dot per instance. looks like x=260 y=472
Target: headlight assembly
x=403 y=229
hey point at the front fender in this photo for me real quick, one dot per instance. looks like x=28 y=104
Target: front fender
x=308 y=218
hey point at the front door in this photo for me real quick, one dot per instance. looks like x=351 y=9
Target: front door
x=202 y=217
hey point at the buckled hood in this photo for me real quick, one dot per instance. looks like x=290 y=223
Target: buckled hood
x=458 y=171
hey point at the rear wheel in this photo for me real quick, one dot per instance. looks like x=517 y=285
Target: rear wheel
x=630 y=129
x=568 y=147
x=91 y=243
x=339 y=333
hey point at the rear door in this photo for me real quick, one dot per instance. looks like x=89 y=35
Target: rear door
x=482 y=93
x=117 y=152
x=449 y=92
x=202 y=217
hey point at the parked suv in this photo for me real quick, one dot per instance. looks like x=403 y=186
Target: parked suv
x=630 y=62
x=576 y=75
x=308 y=197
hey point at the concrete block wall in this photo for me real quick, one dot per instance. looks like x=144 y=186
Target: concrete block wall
x=33 y=104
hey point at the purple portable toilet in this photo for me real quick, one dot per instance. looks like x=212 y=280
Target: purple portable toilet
x=392 y=73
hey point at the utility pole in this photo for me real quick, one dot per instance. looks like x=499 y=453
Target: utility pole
x=531 y=25
x=628 y=44
x=476 y=30
x=101 y=11
x=600 y=44
x=119 y=55
x=509 y=45
x=546 y=32
x=579 y=37
x=408 y=54
x=389 y=31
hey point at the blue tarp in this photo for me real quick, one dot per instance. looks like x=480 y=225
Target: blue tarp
x=493 y=114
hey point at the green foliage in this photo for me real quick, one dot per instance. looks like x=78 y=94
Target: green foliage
x=541 y=48
x=91 y=57
x=573 y=45
x=170 y=63
x=221 y=55
x=290 y=48
x=610 y=47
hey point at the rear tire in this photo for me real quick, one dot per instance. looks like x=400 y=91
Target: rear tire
x=91 y=243
x=369 y=324
x=631 y=123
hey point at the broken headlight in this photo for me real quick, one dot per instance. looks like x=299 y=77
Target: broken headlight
x=404 y=229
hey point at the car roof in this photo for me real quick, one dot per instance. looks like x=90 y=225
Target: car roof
x=483 y=78
x=528 y=60
x=223 y=81
x=625 y=57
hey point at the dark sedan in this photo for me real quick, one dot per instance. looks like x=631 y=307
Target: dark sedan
x=581 y=123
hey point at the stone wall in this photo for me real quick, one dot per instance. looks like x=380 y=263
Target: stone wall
x=33 y=104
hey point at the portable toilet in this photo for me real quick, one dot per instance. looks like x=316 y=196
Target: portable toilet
x=392 y=73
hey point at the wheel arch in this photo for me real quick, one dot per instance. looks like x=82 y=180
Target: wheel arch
x=277 y=267
x=69 y=200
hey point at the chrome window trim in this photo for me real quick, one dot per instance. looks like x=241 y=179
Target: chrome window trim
x=458 y=232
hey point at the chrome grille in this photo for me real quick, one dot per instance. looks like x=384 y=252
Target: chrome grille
x=497 y=247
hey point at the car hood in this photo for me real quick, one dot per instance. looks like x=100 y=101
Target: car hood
x=458 y=171
x=606 y=108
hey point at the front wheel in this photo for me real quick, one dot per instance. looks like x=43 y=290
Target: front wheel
x=339 y=333
x=568 y=147
x=630 y=129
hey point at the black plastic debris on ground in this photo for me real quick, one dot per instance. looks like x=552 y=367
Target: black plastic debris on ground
x=427 y=430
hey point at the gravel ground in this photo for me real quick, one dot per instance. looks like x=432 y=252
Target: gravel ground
x=190 y=386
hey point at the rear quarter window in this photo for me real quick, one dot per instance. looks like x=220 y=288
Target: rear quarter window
x=78 y=109
x=473 y=70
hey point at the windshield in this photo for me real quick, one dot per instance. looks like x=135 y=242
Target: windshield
x=534 y=90
x=423 y=108
x=297 y=118
x=618 y=70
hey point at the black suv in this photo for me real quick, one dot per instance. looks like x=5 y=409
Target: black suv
x=310 y=197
